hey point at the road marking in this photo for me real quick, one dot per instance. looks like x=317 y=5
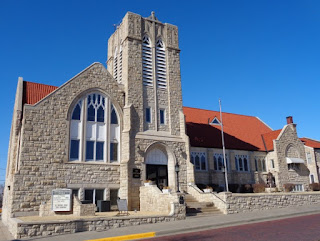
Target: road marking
x=127 y=237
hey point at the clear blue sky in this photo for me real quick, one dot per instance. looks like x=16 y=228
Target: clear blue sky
x=260 y=57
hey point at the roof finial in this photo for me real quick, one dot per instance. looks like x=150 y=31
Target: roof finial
x=153 y=16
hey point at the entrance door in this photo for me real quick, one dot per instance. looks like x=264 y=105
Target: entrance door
x=158 y=174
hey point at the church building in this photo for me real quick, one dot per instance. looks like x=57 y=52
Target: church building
x=106 y=131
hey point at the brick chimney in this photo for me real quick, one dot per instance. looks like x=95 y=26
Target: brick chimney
x=289 y=120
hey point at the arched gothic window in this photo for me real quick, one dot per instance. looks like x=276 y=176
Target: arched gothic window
x=161 y=64
x=94 y=130
x=147 y=73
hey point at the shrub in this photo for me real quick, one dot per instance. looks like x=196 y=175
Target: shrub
x=246 y=188
x=201 y=186
x=315 y=186
x=288 y=187
x=233 y=187
x=259 y=187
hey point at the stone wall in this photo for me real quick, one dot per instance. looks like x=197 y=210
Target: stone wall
x=153 y=199
x=230 y=203
x=219 y=199
x=237 y=203
x=44 y=150
x=37 y=229
x=78 y=209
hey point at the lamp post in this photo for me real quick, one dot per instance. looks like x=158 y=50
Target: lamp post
x=177 y=169
x=223 y=169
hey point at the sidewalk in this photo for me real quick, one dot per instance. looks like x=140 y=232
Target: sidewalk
x=190 y=224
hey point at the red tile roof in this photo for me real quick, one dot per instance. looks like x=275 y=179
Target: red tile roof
x=269 y=137
x=312 y=143
x=240 y=132
x=34 y=92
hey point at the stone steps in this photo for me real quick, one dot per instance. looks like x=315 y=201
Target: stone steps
x=195 y=208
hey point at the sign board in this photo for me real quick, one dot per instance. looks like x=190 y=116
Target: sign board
x=122 y=205
x=136 y=173
x=61 y=200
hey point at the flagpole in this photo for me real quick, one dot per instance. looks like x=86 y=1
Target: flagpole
x=224 y=151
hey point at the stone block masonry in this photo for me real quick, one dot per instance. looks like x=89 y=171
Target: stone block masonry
x=237 y=203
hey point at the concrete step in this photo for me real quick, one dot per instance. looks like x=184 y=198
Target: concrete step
x=195 y=208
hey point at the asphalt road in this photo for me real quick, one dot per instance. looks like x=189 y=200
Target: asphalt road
x=303 y=228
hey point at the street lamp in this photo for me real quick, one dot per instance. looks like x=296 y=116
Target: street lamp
x=223 y=169
x=177 y=169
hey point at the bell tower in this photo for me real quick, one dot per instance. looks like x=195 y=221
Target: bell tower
x=144 y=58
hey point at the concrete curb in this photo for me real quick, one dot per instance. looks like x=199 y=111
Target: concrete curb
x=232 y=223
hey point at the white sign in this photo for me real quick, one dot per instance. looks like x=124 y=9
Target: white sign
x=61 y=200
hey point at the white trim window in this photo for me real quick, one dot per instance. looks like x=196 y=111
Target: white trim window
x=161 y=68
x=218 y=162
x=93 y=195
x=199 y=159
x=272 y=163
x=260 y=164
x=148 y=115
x=147 y=73
x=162 y=116
x=298 y=188
x=242 y=163
x=95 y=131
x=311 y=178
x=309 y=159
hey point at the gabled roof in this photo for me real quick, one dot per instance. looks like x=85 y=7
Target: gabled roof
x=241 y=132
x=269 y=137
x=310 y=142
x=34 y=92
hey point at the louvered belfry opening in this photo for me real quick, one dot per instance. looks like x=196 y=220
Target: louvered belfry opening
x=115 y=65
x=147 y=61
x=161 y=64
x=120 y=66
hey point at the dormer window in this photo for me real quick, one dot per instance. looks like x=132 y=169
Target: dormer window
x=215 y=121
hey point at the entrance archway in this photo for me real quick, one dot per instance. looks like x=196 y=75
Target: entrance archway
x=157 y=167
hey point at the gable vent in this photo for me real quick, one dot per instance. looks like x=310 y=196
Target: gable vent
x=161 y=64
x=146 y=61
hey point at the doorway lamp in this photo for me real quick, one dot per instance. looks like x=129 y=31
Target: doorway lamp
x=177 y=169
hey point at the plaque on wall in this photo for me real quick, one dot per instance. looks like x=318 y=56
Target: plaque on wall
x=136 y=173
x=61 y=200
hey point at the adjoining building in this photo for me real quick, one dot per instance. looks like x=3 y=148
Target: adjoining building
x=105 y=131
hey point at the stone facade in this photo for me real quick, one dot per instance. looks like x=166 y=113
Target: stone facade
x=39 y=151
x=287 y=144
x=237 y=203
x=39 y=155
